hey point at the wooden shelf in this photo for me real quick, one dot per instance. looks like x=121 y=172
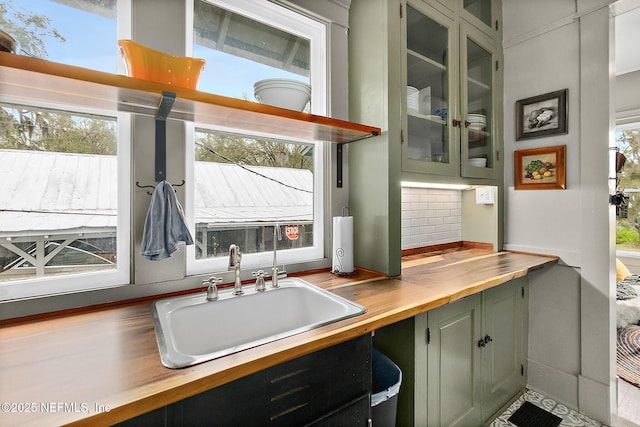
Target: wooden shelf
x=29 y=79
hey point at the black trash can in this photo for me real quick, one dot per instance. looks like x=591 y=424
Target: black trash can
x=387 y=378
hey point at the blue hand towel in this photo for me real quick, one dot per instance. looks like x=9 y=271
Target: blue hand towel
x=164 y=227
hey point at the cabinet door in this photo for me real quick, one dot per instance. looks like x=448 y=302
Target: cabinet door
x=503 y=357
x=453 y=364
x=483 y=14
x=478 y=145
x=430 y=144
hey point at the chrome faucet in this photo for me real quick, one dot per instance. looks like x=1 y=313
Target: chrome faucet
x=277 y=235
x=234 y=264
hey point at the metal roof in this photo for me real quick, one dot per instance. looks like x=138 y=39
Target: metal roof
x=53 y=193
x=226 y=193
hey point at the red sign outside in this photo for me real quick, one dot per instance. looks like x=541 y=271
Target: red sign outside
x=291 y=231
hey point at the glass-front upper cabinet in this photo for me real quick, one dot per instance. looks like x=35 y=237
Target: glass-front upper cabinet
x=450 y=97
x=483 y=14
x=478 y=151
x=429 y=145
x=481 y=9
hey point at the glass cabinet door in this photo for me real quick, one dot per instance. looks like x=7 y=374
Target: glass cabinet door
x=478 y=150
x=428 y=143
x=481 y=9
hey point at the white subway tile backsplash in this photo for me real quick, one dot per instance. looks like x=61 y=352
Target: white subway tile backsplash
x=430 y=216
x=435 y=220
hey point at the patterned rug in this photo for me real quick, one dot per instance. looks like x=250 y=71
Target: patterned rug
x=628 y=365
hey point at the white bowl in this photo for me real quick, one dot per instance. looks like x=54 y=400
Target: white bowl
x=283 y=93
x=478 y=162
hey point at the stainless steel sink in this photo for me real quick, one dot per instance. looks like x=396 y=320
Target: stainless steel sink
x=192 y=330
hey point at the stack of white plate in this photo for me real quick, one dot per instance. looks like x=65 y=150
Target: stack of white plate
x=478 y=162
x=477 y=121
x=413 y=96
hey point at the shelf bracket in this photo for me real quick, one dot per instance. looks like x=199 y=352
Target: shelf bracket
x=339 y=160
x=166 y=103
x=339 y=165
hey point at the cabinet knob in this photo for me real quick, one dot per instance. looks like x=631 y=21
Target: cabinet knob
x=481 y=343
x=456 y=123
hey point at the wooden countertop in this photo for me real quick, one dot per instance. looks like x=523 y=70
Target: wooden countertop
x=102 y=366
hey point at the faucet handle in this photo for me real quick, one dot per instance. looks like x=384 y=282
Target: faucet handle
x=259 y=275
x=212 y=288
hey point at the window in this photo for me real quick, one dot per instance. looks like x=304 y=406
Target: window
x=74 y=32
x=247 y=184
x=62 y=220
x=64 y=210
x=245 y=41
x=628 y=188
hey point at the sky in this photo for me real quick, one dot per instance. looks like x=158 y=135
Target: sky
x=91 y=43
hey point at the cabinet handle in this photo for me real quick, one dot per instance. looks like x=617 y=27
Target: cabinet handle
x=484 y=341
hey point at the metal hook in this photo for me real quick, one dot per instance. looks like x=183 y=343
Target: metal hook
x=153 y=187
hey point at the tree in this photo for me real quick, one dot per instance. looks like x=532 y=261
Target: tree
x=28 y=28
x=42 y=130
x=252 y=152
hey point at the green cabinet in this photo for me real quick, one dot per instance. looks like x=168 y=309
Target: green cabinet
x=414 y=68
x=451 y=96
x=471 y=356
x=482 y=14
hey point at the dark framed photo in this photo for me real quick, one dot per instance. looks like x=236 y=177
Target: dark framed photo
x=540 y=168
x=541 y=115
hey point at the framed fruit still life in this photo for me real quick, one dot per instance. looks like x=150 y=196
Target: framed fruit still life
x=540 y=168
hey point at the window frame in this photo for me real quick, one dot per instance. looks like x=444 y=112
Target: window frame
x=92 y=280
x=293 y=22
x=261 y=259
x=316 y=31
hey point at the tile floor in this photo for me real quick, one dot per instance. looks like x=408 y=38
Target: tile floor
x=628 y=409
x=569 y=416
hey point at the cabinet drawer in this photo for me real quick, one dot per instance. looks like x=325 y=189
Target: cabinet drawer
x=293 y=393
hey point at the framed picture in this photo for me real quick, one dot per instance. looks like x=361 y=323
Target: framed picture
x=541 y=115
x=540 y=168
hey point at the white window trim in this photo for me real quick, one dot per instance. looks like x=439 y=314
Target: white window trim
x=305 y=27
x=80 y=282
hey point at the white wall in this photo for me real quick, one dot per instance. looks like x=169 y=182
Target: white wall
x=551 y=45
